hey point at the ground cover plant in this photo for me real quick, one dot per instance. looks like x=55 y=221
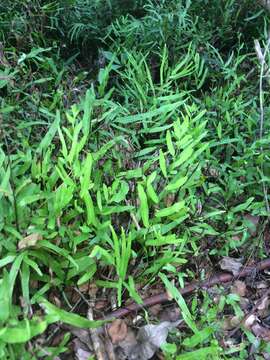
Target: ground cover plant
x=134 y=160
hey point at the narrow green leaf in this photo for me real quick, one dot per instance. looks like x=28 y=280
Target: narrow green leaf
x=144 y=210
x=68 y=318
x=162 y=163
x=175 y=185
x=46 y=141
x=202 y=354
x=184 y=156
x=174 y=292
x=169 y=143
x=5 y=297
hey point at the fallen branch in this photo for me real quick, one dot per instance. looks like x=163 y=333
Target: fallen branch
x=164 y=297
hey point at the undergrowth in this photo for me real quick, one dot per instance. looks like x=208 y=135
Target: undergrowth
x=130 y=155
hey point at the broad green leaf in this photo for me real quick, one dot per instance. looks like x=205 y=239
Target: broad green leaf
x=100 y=252
x=88 y=274
x=149 y=188
x=46 y=141
x=150 y=114
x=243 y=206
x=108 y=210
x=169 y=143
x=199 y=337
x=5 y=297
x=175 y=185
x=29 y=199
x=57 y=250
x=151 y=193
x=63 y=143
x=7 y=260
x=90 y=210
x=144 y=210
x=86 y=178
x=4 y=186
x=14 y=271
x=23 y=331
x=184 y=156
x=121 y=193
x=132 y=290
x=171 y=210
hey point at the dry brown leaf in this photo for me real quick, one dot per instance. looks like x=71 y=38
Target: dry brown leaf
x=250 y=320
x=92 y=290
x=100 y=304
x=262 y=285
x=230 y=322
x=263 y=307
x=150 y=338
x=29 y=240
x=117 y=331
x=235 y=321
x=261 y=332
x=172 y=314
x=84 y=287
x=231 y=264
x=239 y=288
x=244 y=303
x=126 y=347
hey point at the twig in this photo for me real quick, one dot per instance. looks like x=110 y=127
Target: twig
x=96 y=342
x=164 y=297
x=97 y=345
x=133 y=217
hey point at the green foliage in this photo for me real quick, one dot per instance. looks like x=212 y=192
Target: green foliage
x=128 y=172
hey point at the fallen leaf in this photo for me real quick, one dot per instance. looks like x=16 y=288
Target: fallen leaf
x=239 y=288
x=261 y=332
x=83 y=354
x=150 y=338
x=235 y=321
x=29 y=240
x=244 y=303
x=171 y=313
x=101 y=304
x=81 y=350
x=92 y=290
x=231 y=264
x=263 y=307
x=250 y=320
x=82 y=335
x=117 y=331
x=127 y=346
x=226 y=324
x=266 y=356
x=262 y=285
